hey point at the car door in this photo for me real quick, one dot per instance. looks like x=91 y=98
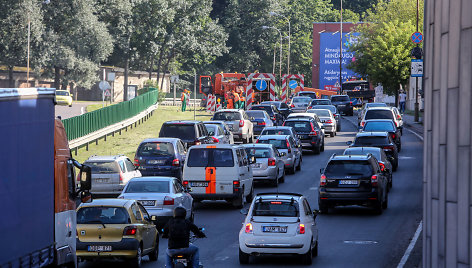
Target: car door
x=243 y=169
x=280 y=161
x=295 y=148
x=149 y=227
x=181 y=153
x=247 y=124
x=248 y=177
x=309 y=219
x=186 y=197
x=131 y=171
x=179 y=196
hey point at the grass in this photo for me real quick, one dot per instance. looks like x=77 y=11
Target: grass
x=93 y=107
x=128 y=141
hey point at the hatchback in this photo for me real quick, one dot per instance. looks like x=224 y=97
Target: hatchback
x=389 y=113
x=285 y=144
x=328 y=120
x=260 y=120
x=269 y=165
x=309 y=133
x=300 y=104
x=228 y=135
x=333 y=110
x=282 y=130
x=274 y=114
x=378 y=139
x=217 y=133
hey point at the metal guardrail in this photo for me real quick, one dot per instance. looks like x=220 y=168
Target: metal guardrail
x=170 y=102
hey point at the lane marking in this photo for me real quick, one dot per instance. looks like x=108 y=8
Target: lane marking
x=411 y=246
x=360 y=242
x=406 y=157
x=313 y=188
x=414 y=133
x=223 y=258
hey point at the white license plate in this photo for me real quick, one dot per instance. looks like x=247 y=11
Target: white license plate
x=155 y=162
x=348 y=182
x=256 y=165
x=274 y=229
x=199 y=184
x=147 y=202
x=101 y=180
x=99 y=248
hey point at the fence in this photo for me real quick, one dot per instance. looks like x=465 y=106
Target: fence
x=87 y=123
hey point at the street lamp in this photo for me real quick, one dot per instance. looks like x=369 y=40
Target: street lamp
x=280 y=33
x=288 y=56
x=341 y=50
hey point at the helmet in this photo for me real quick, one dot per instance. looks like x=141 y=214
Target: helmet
x=180 y=212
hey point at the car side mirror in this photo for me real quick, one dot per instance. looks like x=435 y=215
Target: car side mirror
x=322 y=170
x=188 y=190
x=85 y=178
x=153 y=218
x=283 y=154
x=252 y=160
x=252 y=118
x=349 y=143
x=322 y=127
x=86 y=197
x=316 y=212
x=244 y=211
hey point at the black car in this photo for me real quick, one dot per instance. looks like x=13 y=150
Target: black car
x=319 y=102
x=353 y=180
x=378 y=139
x=310 y=94
x=384 y=125
x=283 y=108
x=160 y=157
x=190 y=132
x=343 y=103
x=309 y=133
x=273 y=112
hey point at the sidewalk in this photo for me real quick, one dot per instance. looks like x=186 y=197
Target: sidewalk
x=409 y=122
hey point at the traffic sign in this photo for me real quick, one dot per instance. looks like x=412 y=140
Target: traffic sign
x=261 y=85
x=104 y=85
x=417 y=37
x=416 y=68
x=293 y=84
x=107 y=93
x=174 y=79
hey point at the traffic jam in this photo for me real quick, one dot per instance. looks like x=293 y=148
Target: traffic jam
x=239 y=161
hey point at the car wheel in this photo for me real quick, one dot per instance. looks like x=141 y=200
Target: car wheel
x=307 y=258
x=275 y=183
x=322 y=147
x=192 y=217
x=243 y=257
x=250 y=196
x=385 y=202
x=317 y=149
x=282 y=179
x=293 y=169
x=390 y=182
x=331 y=134
x=395 y=166
x=324 y=208
x=238 y=202
x=378 y=207
x=315 y=250
x=299 y=166
x=154 y=255
x=136 y=262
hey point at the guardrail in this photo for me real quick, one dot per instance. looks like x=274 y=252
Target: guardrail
x=178 y=102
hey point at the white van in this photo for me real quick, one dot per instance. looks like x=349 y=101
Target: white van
x=219 y=172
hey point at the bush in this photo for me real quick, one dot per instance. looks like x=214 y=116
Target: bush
x=150 y=85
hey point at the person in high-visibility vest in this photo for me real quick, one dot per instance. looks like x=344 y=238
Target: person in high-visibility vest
x=242 y=102
x=230 y=101
x=236 y=100
x=183 y=99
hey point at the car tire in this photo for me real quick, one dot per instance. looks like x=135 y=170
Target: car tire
x=293 y=169
x=154 y=255
x=316 y=150
x=238 y=202
x=250 y=196
x=282 y=179
x=323 y=208
x=299 y=166
x=331 y=134
x=70 y=105
x=390 y=182
x=137 y=261
x=315 y=250
x=192 y=217
x=385 y=202
x=307 y=258
x=395 y=166
x=243 y=257
x=322 y=147
x=378 y=207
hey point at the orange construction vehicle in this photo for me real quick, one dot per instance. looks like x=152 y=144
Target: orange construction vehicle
x=222 y=84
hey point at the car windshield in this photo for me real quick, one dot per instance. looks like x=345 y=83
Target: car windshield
x=103 y=167
x=371 y=140
x=210 y=157
x=378 y=114
x=348 y=167
x=62 y=93
x=256 y=114
x=379 y=126
x=102 y=215
x=275 y=208
x=155 y=149
x=301 y=100
x=276 y=132
x=332 y=108
x=321 y=113
x=259 y=152
x=212 y=129
x=181 y=131
x=147 y=187
x=227 y=116
x=279 y=144
x=299 y=126
x=363 y=151
x=340 y=98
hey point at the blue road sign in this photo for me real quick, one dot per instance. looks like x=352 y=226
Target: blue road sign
x=293 y=84
x=261 y=85
x=417 y=37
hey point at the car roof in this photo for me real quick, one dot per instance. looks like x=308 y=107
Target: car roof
x=379 y=120
x=228 y=110
x=367 y=149
x=300 y=114
x=115 y=202
x=153 y=178
x=260 y=145
x=299 y=119
x=273 y=137
x=278 y=127
x=371 y=103
x=301 y=97
x=372 y=133
x=216 y=145
x=324 y=105
x=274 y=195
x=339 y=95
x=350 y=157
x=263 y=105
x=105 y=157
x=182 y=122
x=171 y=140
x=380 y=108
x=319 y=109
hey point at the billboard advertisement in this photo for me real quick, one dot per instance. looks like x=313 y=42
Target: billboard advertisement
x=329 y=59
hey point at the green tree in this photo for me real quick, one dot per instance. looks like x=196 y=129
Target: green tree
x=357 y=6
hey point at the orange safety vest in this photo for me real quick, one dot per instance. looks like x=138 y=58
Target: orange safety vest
x=236 y=96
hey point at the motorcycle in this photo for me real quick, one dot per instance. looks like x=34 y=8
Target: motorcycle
x=182 y=260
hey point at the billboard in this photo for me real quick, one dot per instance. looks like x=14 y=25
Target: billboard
x=329 y=59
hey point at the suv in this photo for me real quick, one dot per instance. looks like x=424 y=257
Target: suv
x=353 y=180
x=281 y=106
x=111 y=173
x=343 y=103
x=309 y=133
x=190 y=132
x=238 y=123
x=378 y=139
x=276 y=117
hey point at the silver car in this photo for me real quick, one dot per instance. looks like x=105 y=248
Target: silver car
x=328 y=120
x=238 y=123
x=269 y=166
x=300 y=104
x=159 y=195
x=217 y=133
x=282 y=130
x=334 y=111
x=285 y=144
x=224 y=126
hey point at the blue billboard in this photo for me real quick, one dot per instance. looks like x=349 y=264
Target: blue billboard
x=329 y=58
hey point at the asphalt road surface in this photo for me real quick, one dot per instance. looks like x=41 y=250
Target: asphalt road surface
x=77 y=108
x=349 y=236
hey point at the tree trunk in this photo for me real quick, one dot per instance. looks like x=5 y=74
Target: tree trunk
x=11 y=82
x=165 y=69
x=57 y=78
x=151 y=60
x=125 y=84
x=396 y=96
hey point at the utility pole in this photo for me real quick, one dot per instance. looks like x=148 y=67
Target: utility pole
x=194 y=94
x=417 y=106
x=341 y=51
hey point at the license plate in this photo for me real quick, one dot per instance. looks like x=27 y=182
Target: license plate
x=230 y=127
x=348 y=182
x=99 y=248
x=155 y=162
x=199 y=184
x=101 y=180
x=302 y=137
x=256 y=165
x=147 y=202
x=274 y=229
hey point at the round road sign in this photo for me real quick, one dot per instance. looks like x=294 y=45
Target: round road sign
x=261 y=85
x=417 y=37
x=104 y=85
x=293 y=84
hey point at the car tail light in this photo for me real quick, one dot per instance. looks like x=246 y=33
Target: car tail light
x=399 y=117
x=197 y=142
x=185 y=183
x=313 y=131
x=168 y=201
x=292 y=106
x=273 y=118
x=262 y=123
x=309 y=107
x=394 y=136
x=350 y=103
x=396 y=124
x=241 y=123
x=215 y=140
x=130 y=230
x=301 y=228
x=382 y=166
x=136 y=162
x=235 y=186
x=249 y=228
x=374 y=180
x=257 y=141
x=329 y=121
x=388 y=148
x=271 y=162
x=323 y=180
x=121 y=177
x=176 y=162
x=78 y=177
x=288 y=146
x=362 y=123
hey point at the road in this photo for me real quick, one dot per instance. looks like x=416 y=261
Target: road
x=77 y=108
x=349 y=236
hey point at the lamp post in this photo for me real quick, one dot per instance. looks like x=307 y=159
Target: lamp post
x=341 y=50
x=288 y=56
x=280 y=33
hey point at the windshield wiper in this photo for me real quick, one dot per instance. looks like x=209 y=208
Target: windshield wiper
x=97 y=221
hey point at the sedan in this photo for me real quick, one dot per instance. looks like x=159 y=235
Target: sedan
x=228 y=135
x=334 y=111
x=269 y=165
x=328 y=120
x=300 y=104
x=260 y=120
x=159 y=195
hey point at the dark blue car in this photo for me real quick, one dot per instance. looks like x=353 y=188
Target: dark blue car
x=160 y=157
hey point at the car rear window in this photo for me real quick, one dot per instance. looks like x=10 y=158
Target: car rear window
x=299 y=126
x=320 y=102
x=279 y=144
x=321 y=113
x=147 y=187
x=210 y=157
x=275 y=208
x=378 y=114
x=255 y=114
x=212 y=129
x=327 y=107
x=363 y=151
x=103 y=167
x=62 y=93
x=308 y=94
x=379 y=126
x=276 y=132
x=340 y=98
x=227 y=116
x=348 y=167
x=301 y=100
x=371 y=140
x=259 y=152
x=105 y=215
x=156 y=149
x=181 y=131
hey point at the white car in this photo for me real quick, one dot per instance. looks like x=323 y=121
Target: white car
x=279 y=224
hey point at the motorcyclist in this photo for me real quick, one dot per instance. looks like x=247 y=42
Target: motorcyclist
x=178 y=230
